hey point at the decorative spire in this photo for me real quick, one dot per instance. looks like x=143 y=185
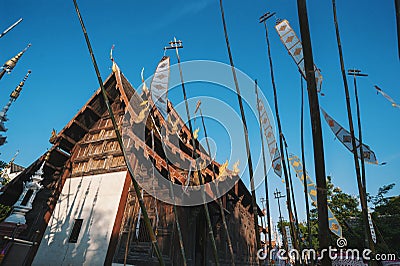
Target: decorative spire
x=10 y=64
x=15 y=94
x=13 y=97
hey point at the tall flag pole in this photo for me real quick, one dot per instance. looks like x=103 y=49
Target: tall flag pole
x=13 y=97
x=175 y=209
x=285 y=173
x=219 y=201
x=119 y=139
x=363 y=198
x=271 y=141
x=10 y=28
x=178 y=45
x=319 y=160
x=158 y=95
x=397 y=7
x=10 y=64
x=246 y=136
x=278 y=195
x=265 y=173
x=297 y=229
x=357 y=73
x=303 y=160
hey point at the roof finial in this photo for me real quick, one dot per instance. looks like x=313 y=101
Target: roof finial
x=114 y=67
x=111 y=53
x=13 y=158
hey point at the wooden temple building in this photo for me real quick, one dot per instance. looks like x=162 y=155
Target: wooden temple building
x=75 y=205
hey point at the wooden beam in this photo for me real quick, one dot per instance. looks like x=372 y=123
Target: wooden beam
x=53 y=167
x=79 y=124
x=69 y=139
x=63 y=153
x=93 y=111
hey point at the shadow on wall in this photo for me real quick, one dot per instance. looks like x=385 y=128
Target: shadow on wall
x=79 y=229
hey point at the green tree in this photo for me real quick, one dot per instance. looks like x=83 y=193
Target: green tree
x=345 y=209
x=4 y=210
x=386 y=218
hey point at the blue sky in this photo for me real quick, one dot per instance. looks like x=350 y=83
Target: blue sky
x=63 y=78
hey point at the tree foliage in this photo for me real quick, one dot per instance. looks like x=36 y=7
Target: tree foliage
x=4 y=210
x=386 y=218
x=346 y=208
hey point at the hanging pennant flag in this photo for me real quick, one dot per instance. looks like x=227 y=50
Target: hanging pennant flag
x=394 y=104
x=334 y=225
x=159 y=86
x=371 y=227
x=295 y=49
x=344 y=136
x=269 y=135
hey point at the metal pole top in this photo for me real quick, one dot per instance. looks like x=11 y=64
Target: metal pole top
x=356 y=72
x=266 y=16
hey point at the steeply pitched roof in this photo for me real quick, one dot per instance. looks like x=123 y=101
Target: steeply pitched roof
x=117 y=88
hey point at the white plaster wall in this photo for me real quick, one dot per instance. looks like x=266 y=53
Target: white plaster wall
x=94 y=199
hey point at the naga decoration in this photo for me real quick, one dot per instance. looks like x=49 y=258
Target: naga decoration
x=334 y=225
x=295 y=49
x=271 y=141
x=379 y=90
x=344 y=136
